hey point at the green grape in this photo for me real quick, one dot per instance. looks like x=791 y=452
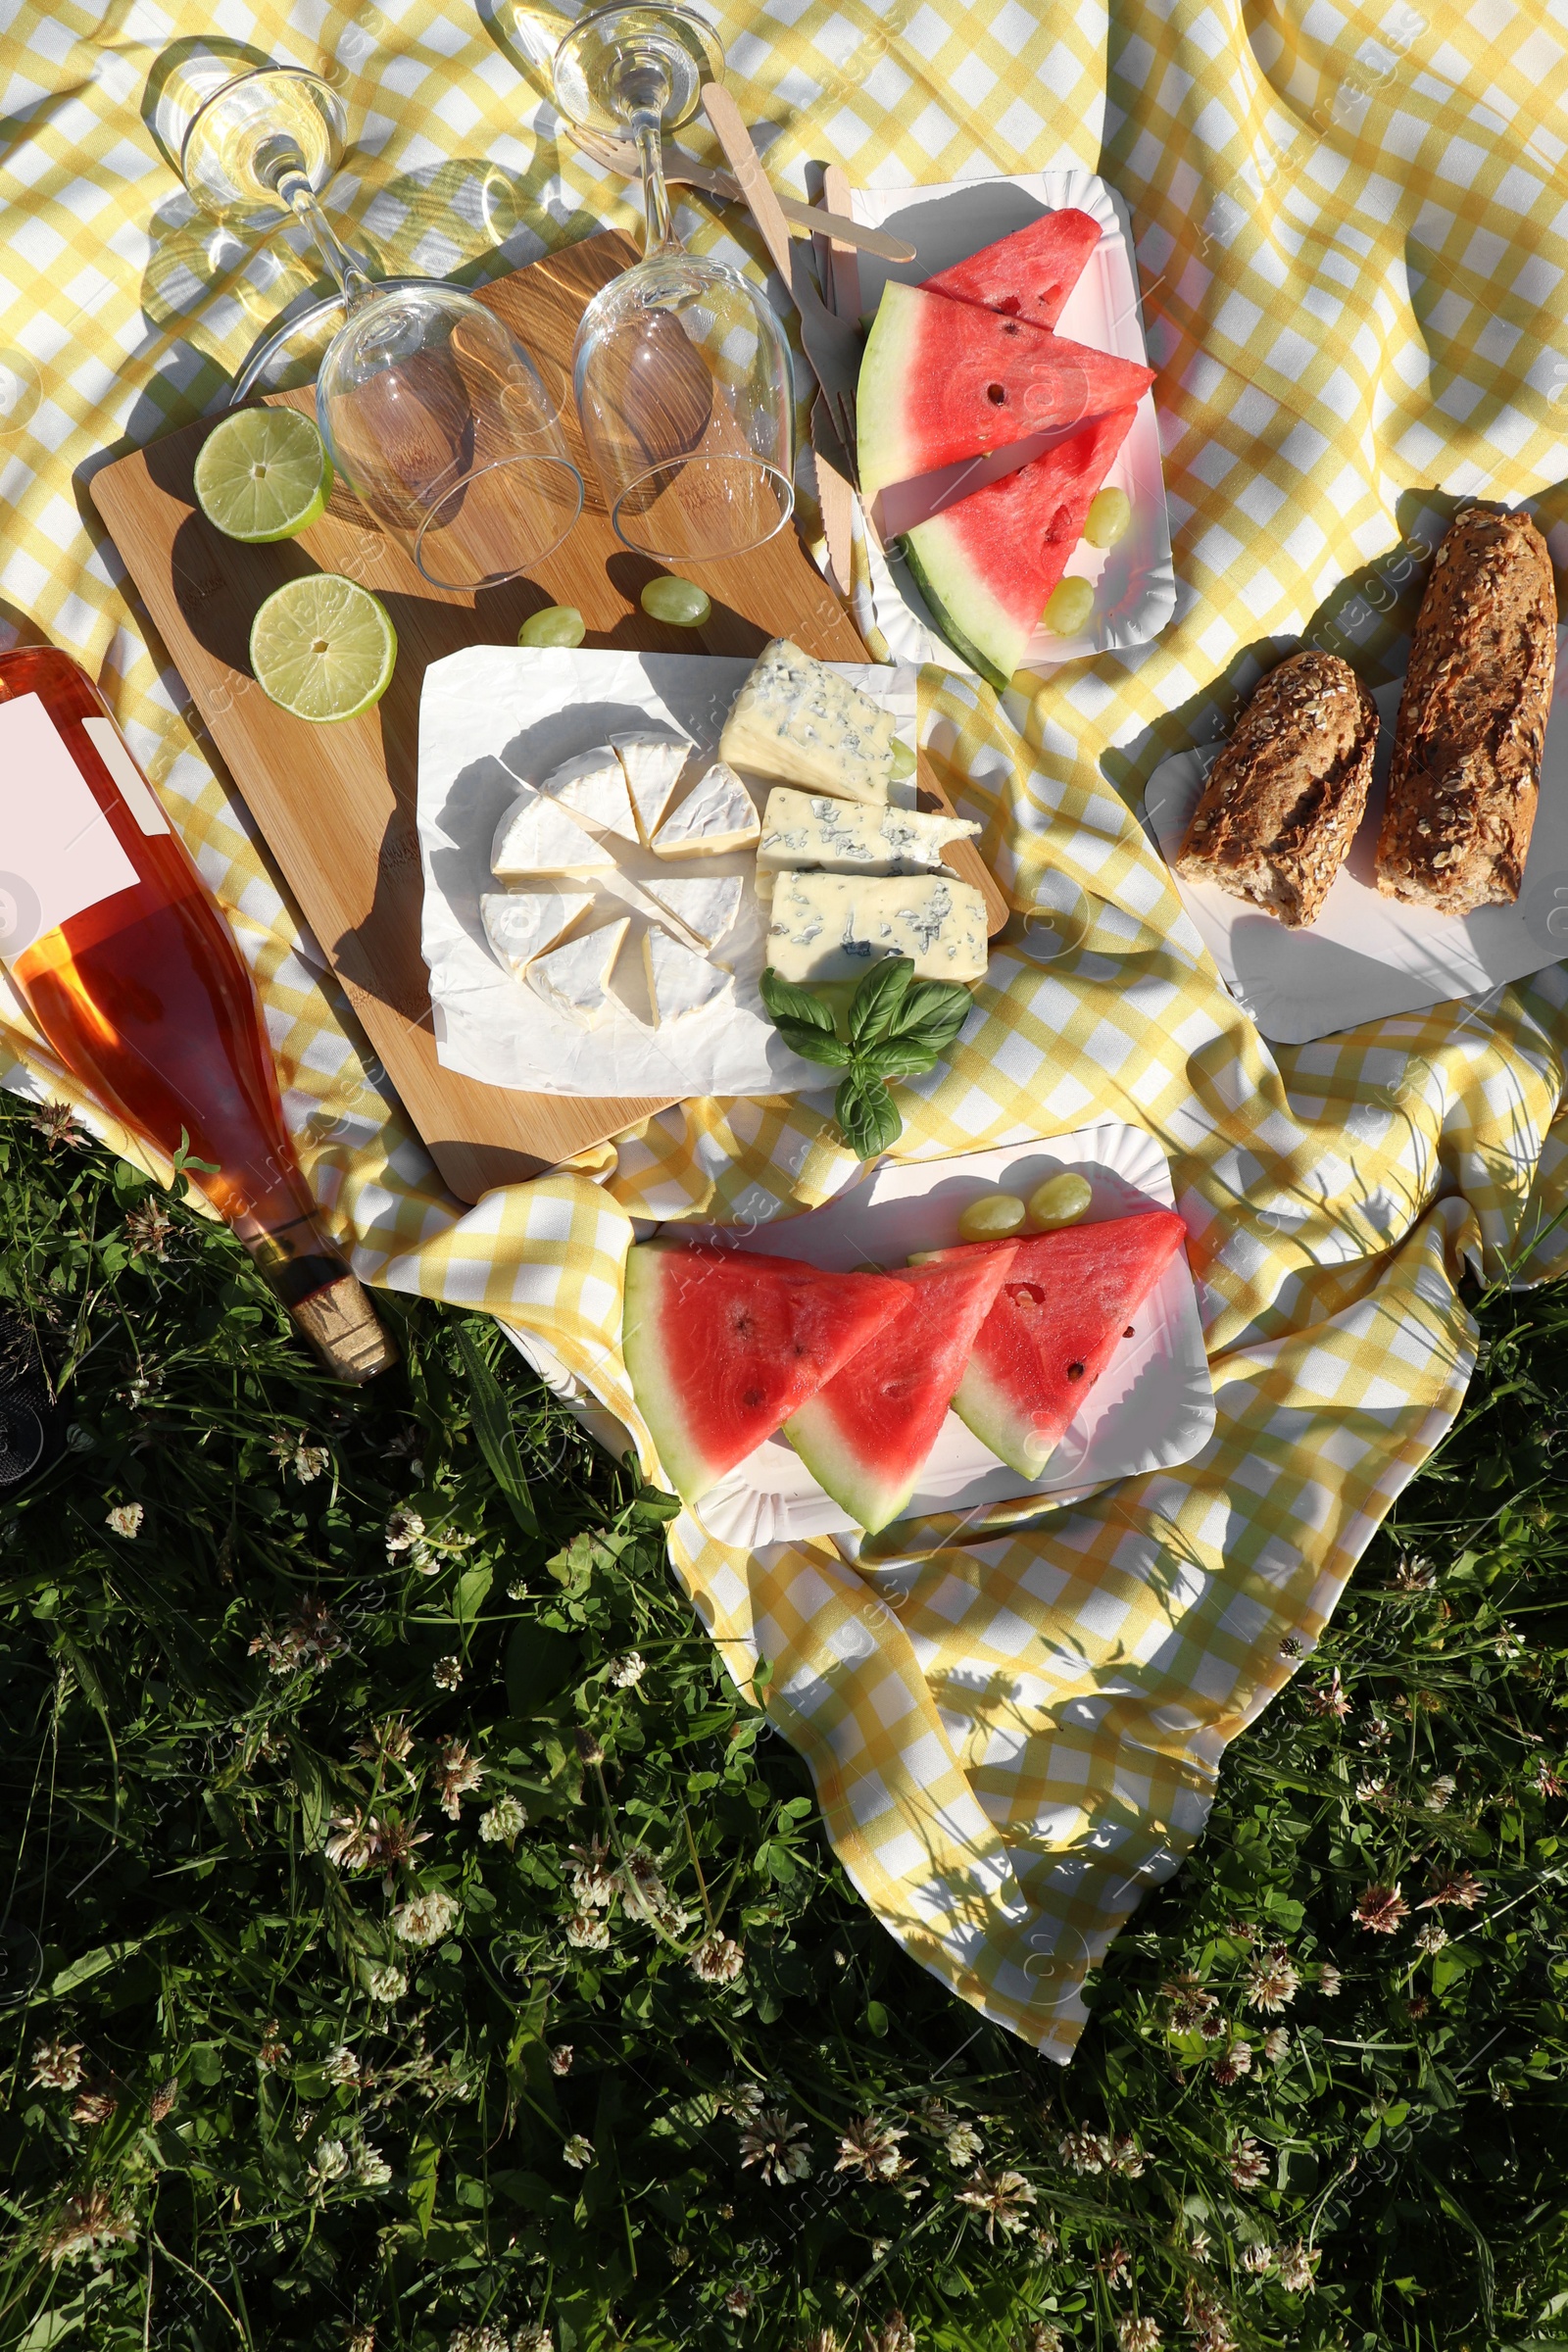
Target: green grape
x=903 y=761
x=991 y=1218
x=1109 y=513
x=1071 y=603
x=556 y=625
x=680 y=603
x=1061 y=1201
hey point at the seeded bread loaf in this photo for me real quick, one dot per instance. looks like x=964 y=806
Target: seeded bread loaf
x=1286 y=795
x=1466 y=772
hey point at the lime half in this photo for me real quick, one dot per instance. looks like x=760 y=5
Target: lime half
x=263 y=475
x=323 y=647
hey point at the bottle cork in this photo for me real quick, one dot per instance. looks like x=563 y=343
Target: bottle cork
x=344 y=1333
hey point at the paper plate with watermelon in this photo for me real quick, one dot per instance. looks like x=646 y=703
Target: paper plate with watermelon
x=1005 y=385
x=806 y=1379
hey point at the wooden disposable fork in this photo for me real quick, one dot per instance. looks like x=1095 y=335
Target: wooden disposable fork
x=806 y=219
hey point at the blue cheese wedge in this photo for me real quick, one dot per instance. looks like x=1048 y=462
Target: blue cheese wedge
x=801 y=829
x=678 y=982
x=652 y=766
x=520 y=924
x=594 y=786
x=574 y=980
x=538 y=836
x=798 y=723
x=833 y=926
x=718 y=813
x=704 y=905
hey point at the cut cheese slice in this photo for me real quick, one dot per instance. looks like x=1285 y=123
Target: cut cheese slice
x=834 y=926
x=520 y=924
x=704 y=905
x=594 y=786
x=537 y=836
x=798 y=723
x=805 y=828
x=679 y=982
x=574 y=980
x=718 y=813
x=652 y=766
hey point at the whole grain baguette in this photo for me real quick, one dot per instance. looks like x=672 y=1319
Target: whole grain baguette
x=1465 y=779
x=1283 y=798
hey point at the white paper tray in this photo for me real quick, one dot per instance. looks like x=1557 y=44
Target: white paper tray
x=1367 y=956
x=1135 y=581
x=1153 y=1404
x=493 y=718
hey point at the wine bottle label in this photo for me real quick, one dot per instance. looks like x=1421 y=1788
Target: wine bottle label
x=138 y=794
x=59 y=853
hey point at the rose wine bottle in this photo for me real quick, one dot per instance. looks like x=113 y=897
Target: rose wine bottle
x=126 y=964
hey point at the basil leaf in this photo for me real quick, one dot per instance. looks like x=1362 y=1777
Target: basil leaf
x=878 y=1001
x=787 y=1002
x=900 y=1057
x=935 y=1011
x=867 y=1115
x=813 y=1045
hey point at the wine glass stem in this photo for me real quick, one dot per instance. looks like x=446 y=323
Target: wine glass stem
x=296 y=191
x=659 y=236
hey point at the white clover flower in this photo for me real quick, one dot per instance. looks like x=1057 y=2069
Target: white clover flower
x=1297 y=2264
x=534 y=2336
x=331 y=2162
x=370 y=2167
x=627 y=1672
x=125 y=1518
x=578 y=2151
x=1439 y=1796
x=403 y=1531
x=387 y=1984
x=963 y=2144
x=427 y=1917
x=1137 y=2335
x=309 y=1463
x=560 y=2058
x=341 y=2067
x=1277 y=2046
x=57 y=2065
x=1431 y=1936
x=502 y=1823
x=717 y=1960
x=447 y=1673
x=587 y=1932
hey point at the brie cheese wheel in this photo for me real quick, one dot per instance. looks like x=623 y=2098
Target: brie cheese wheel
x=704 y=905
x=520 y=924
x=718 y=813
x=679 y=982
x=652 y=766
x=537 y=836
x=594 y=786
x=574 y=980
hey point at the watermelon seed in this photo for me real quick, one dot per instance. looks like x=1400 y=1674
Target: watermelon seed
x=995 y=395
x=1076 y=1371
x=752 y=1397
x=1128 y=1333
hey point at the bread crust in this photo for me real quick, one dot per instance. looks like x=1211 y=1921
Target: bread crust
x=1283 y=798
x=1465 y=780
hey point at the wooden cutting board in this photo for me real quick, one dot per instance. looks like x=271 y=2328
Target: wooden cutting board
x=336 y=804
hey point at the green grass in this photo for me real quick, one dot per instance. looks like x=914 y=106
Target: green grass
x=189 y=1710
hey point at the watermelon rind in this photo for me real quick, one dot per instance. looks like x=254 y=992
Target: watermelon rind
x=908 y=1373
x=780 y=1326
x=993 y=624
x=885 y=452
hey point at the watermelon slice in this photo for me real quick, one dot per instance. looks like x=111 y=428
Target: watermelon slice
x=865 y=1435
x=1029 y=274
x=722 y=1346
x=987 y=564
x=943 y=380
x=1063 y=1310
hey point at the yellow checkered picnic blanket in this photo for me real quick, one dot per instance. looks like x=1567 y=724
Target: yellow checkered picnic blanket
x=1353 y=240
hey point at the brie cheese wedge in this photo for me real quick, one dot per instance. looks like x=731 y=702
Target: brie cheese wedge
x=718 y=813
x=594 y=786
x=704 y=904
x=521 y=924
x=537 y=836
x=574 y=980
x=652 y=766
x=679 y=982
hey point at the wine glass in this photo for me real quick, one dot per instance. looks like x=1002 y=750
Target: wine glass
x=681 y=369
x=433 y=413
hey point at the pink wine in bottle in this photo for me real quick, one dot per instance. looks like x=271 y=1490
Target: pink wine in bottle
x=124 y=960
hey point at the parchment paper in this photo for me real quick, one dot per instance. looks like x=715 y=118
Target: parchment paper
x=493 y=718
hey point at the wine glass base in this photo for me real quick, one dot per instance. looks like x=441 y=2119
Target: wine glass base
x=594 y=58
x=290 y=353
